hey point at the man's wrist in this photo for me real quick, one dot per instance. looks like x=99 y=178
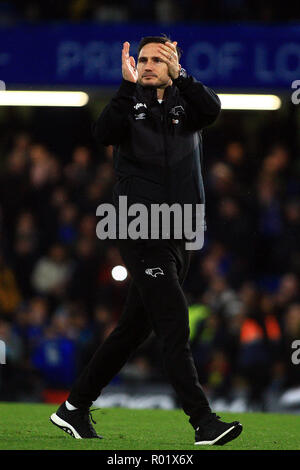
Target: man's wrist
x=182 y=80
x=182 y=73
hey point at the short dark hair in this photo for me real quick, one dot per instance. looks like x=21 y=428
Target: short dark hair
x=159 y=39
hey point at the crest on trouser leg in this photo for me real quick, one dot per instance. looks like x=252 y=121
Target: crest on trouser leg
x=154 y=271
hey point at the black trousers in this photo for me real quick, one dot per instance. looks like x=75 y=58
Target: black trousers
x=155 y=302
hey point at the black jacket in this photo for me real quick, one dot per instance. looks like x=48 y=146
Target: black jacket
x=158 y=147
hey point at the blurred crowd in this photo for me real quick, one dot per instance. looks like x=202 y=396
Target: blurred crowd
x=59 y=301
x=147 y=10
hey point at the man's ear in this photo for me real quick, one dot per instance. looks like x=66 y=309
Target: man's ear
x=179 y=66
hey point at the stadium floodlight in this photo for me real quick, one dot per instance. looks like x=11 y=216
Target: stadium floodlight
x=119 y=273
x=250 y=102
x=43 y=98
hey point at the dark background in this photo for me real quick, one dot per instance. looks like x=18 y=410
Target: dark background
x=58 y=300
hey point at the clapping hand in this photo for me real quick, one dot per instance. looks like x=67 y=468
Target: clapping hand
x=129 y=71
x=170 y=57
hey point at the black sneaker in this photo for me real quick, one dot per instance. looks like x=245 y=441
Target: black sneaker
x=212 y=431
x=76 y=423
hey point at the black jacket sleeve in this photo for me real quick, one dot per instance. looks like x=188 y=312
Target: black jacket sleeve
x=203 y=105
x=112 y=124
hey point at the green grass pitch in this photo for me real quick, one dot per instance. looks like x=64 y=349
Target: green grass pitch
x=27 y=427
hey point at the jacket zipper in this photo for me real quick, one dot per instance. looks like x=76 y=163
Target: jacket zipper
x=166 y=155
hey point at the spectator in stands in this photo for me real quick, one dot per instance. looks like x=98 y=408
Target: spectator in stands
x=52 y=272
x=10 y=296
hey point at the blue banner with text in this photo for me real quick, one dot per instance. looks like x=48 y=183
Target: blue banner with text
x=228 y=57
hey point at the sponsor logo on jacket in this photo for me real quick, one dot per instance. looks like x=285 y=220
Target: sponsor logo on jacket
x=140 y=111
x=140 y=105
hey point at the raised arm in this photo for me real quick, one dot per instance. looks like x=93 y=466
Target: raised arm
x=203 y=105
x=112 y=125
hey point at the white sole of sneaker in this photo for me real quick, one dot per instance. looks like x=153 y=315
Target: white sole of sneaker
x=64 y=426
x=237 y=428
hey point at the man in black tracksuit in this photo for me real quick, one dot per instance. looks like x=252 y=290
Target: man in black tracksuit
x=154 y=122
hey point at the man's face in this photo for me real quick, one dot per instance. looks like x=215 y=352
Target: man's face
x=151 y=68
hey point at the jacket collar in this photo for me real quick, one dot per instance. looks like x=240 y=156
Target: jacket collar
x=149 y=93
